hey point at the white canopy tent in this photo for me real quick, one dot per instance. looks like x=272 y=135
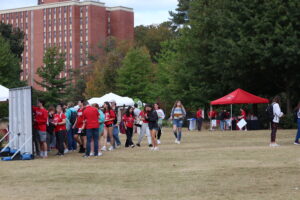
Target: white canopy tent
x=121 y=101
x=4 y=93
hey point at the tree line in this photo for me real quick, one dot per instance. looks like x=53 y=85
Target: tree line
x=206 y=50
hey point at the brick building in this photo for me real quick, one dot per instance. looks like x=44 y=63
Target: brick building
x=76 y=27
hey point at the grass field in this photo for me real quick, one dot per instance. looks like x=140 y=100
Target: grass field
x=207 y=165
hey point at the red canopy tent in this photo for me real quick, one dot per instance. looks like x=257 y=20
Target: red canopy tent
x=238 y=96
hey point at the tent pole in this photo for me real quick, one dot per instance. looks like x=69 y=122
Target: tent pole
x=210 y=118
x=231 y=116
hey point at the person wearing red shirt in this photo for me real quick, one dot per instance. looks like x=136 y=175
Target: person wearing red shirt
x=128 y=120
x=199 y=117
x=60 y=129
x=91 y=124
x=40 y=122
x=212 y=115
x=243 y=116
x=144 y=129
x=80 y=133
x=110 y=117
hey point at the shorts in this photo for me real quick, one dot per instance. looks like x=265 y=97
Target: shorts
x=82 y=133
x=178 y=123
x=109 y=125
x=153 y=126
x=43 y=136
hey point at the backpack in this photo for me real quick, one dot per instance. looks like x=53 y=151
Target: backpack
x=73 y=117
x=270 y=113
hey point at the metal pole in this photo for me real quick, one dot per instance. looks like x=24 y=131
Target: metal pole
x=210 y=118
x=231 y=116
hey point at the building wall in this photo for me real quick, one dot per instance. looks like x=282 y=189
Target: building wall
x=75 y=28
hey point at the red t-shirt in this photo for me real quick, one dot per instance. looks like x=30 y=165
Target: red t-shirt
x=212 y=114
x=129 y=121
x=243 y=114
x=142 y=114
x=80 y=118
x=109 y=115
x=58 y=118
x=41 y=118
x=91 y=117
x=199 y=114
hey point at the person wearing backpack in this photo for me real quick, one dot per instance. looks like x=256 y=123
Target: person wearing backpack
x=297 y=119
x=178 y=113
x=277 y=114
x=71 y=115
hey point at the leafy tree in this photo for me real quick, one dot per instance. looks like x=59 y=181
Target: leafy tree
x=75 y=90
x=51 y=74
x=181 y=15
x=135 y=77
x=15 y=38
x=102 y=79
x=152 y=36
x=228 y=44
x=9 y=66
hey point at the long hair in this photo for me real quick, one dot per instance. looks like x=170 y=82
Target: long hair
x=181 y=105
x=128 y=111
x=108 y=106
x=96 y=106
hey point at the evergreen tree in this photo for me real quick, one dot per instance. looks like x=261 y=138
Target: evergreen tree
x=135 y=77
x=53 y=80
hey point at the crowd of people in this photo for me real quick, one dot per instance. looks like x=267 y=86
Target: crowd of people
x=92 y=129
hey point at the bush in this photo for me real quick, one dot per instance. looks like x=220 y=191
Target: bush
x=288 y=122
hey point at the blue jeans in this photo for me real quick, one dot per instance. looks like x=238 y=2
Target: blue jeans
x=178 y=122
x=222 y=125
x=92 y=134
x=72 y=145
x=298 y=132
x=116 y=135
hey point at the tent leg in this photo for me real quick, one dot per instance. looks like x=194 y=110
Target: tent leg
x=231 y=116
x=210 y=118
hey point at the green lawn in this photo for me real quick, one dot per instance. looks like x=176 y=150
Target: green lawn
x=207 y=165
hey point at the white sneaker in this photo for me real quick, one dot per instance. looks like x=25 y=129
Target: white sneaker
x=158 y=141
x=111 y=148
x=274 y=145
x=100 y=153
x=176 y=141
x=66 y=151
x=156 y=149
x=152 y=148
x=296 y=143
x=91 y=154
x=103 y=148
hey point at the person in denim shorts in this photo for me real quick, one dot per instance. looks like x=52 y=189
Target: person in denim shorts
x=178 y=113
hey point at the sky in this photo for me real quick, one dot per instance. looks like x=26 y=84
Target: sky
x=146 y=11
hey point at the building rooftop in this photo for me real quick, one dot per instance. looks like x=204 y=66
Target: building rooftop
x=66 y=3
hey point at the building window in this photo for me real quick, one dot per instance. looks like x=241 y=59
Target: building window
x=86 y=20
x=54 y=22
x=54 y=33
x=70 y=21
x=65 y=9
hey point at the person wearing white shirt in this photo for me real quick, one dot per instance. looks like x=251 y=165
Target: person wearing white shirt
x=274 y=124
x=161 y=116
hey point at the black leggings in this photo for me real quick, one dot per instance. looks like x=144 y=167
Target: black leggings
x=60 y=139
x=274 y=127
x=129 y=132
x=159 y=133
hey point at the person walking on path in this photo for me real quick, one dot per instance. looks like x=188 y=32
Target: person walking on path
x=128 y=119
x=144 y=129
x=178 y=113
x=161 y=117
x=152 y=117
x=60 y=129
x=274 y=124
